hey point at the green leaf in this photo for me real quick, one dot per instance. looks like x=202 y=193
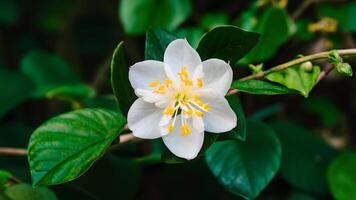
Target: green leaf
x=106 y=102
x=272 y=38
x=47 y=71
x=192 y=34
x=71 y=92
x=260 y=87
x=4 y=177
x=15 y=88
x=343 y=13
x=212 y=20
x=296 y=78
x=139 y=15
x=246 y=168
x=341 y=176
x=228 y=43
x=9 y=12
x=239 y=132
x=120 y=80
x=300 y=196
x=26 y=192
x=65 y=147
x=157 y=41
x=304 y=158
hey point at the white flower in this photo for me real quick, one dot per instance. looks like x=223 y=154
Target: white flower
x=180 y=98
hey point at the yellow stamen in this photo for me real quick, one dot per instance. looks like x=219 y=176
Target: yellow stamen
x=206 y=107
x=168 y=82
x=170 y=128
x=169 y=111
x=198 y=113
x=189 y=112
x=185 y=130
x=200 y=82
x=154 y=83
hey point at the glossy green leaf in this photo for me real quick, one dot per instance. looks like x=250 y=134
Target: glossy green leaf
x=26 y=192
x=157 y=41
x=192 y=34
x=47 y=71
x=15 y=89
x=260 y=87
x=343 y=13
x=212 y=20
x=228 y=43
x=246 y=168
x=271 y=38
x=239 y=132
x=120 y=80
x=4 y=177
x=71 y=92
x=342 y=177
x=139 y=15
x=304 y=158
x=66 y=146
x=296 y=78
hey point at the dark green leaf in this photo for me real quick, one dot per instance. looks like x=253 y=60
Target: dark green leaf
x=66 y=146
x=300 y=196
x=47 y=71
x=15 y=89
x=228 y=43
x=107 y=102
x=192 y=34
x=296 y=78
x=246 y=168
x=120 y=80
x=139 y=15
x=9 y=12
x=26 y=192
x=239 y=132
x=71 y=92
x=260 y=87
x=304 y=158
x=342 y=176
x=157 y=41
x=212 y=20
x=4 y=177
x=272 y=38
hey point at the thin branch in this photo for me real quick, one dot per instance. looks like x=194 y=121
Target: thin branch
x=10 y=151
x=303 y=7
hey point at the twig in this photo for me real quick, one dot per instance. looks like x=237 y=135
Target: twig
x=10 y=151
x=300 y=10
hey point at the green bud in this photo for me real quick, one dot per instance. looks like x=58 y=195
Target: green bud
x=256 y=68
x=307 y=66
x=335 y=58
x=344 y=69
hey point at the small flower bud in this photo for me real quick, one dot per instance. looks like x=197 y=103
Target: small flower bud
x=307 y=66
x=344 y=69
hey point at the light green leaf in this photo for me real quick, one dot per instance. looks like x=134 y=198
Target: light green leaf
x=26 y=192
x=71 y=92
x=212 y=20
x=343 y=13
x=192 y=34
x=260 y=87
x=304 y=158
x=15 y=88
x=239 y=132
x=47 y=71
x=271 y=38
x=139 y=15
x=296 y=78
x=120 y=80
x=246 y=168
x=228 y=43
x=157 y=41
x=65 y=147
x=342 y=177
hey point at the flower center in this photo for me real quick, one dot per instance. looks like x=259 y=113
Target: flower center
x=185 y=101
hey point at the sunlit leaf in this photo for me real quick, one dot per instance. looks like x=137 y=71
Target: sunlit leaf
x=342 y=176
x=139 y=15
x=260 y=87
x=66 y=146
x=246 y=168
x=120 y=80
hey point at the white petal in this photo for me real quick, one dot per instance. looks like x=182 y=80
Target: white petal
x=221 y=117
x=184 y=146
x=178 y=54
x=143 y=73
x=150 y=97
x=143 y=119
x=217 y=75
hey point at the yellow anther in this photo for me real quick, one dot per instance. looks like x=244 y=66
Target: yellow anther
x=198 y=113
x=169 y=111
x=325 y=25
x=162 y=87
x=168 y=82
x=154 y=83
x=206 y=107
x=189 y=112
x=185 y=130
x=200 y=82
x=170 y=128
